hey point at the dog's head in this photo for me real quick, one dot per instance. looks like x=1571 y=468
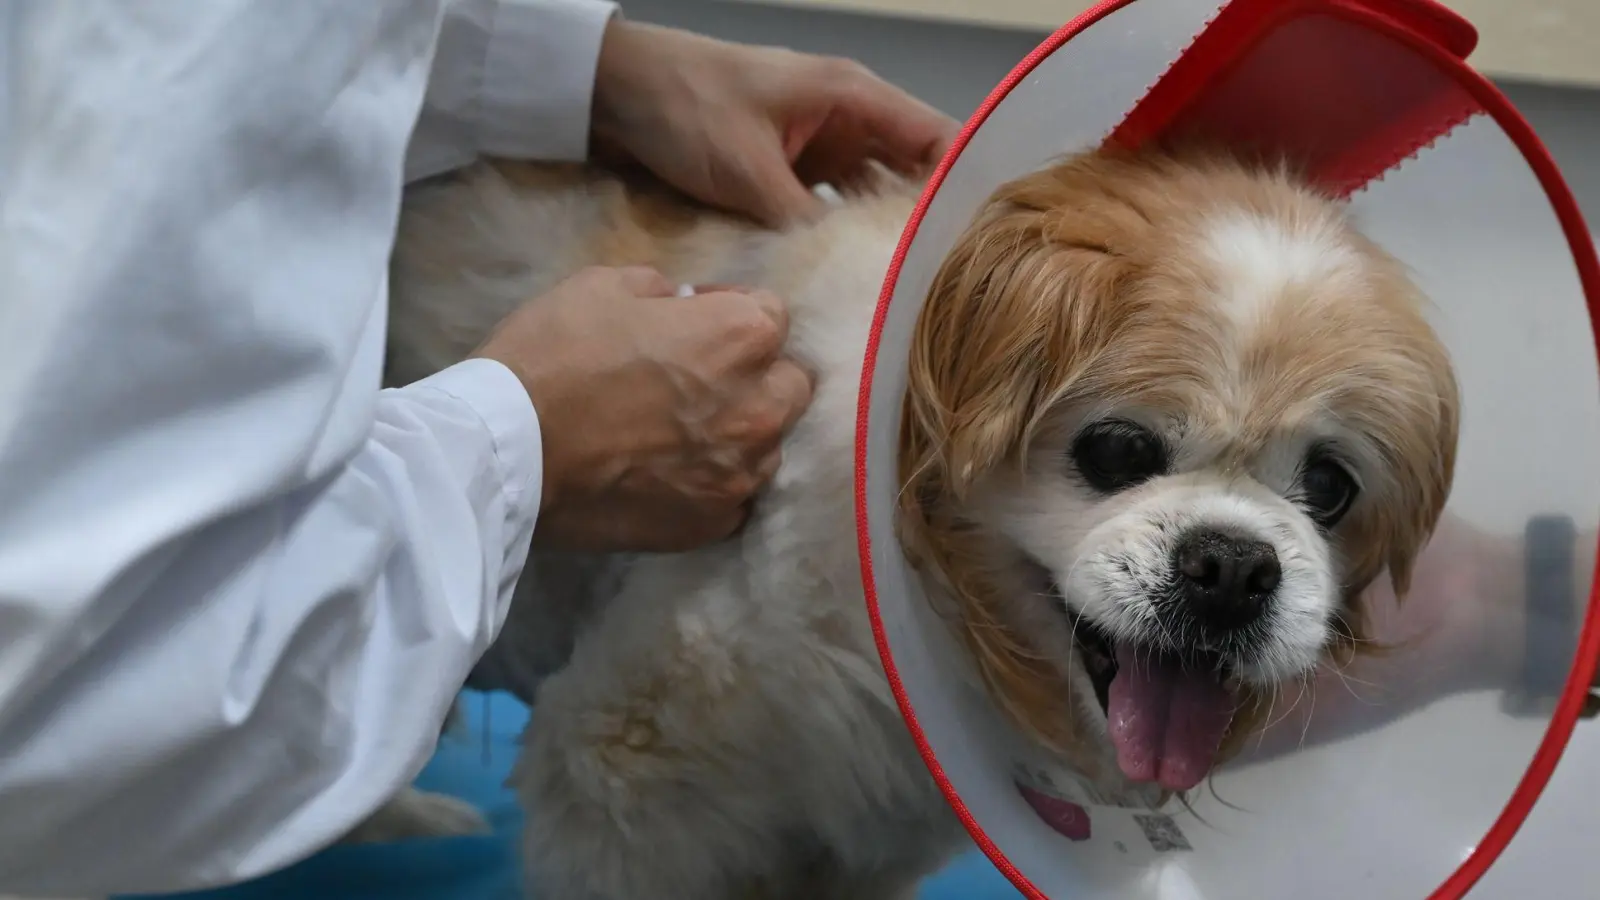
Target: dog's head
x=1168 y=418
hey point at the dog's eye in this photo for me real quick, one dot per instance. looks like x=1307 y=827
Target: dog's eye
x=1326 y=489
x=1115 y=455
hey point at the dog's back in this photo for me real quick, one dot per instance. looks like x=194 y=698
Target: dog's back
x=473 y=246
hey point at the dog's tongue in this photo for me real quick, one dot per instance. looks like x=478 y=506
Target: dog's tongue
x=1166 y=723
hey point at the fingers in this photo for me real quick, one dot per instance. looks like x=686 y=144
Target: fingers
x=771 y=190
x=640 y=281
x=643 y=281
x=783 y=396
x=789 y=387
x=730 y=516
x=907 y=133
x=733 y=519
x=911 y=133
x=719 y=287
x=724 y=526
x=753 y=324
x=768 y=467
x=773 y=307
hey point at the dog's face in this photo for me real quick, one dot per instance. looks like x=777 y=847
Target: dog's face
x=1167 y=419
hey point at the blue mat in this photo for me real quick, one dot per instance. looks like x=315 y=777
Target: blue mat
x=486 y=868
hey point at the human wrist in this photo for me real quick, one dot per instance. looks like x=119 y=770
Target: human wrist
x=1553 y=575
x=542 y=395
x=544 y=392
x=1502 y=592
x=649 y=79
x=491 y=391
x=1583 y=562
x=613 y=85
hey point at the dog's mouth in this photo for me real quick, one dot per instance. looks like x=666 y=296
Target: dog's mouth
x=1099 y=656
x=1166 y=714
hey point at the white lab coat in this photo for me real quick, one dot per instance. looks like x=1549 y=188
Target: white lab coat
x=239 y=584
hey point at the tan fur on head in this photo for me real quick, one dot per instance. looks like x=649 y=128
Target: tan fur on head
x=1093 y=280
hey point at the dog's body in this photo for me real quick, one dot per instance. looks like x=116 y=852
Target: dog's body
x=717 y=724
x=692 y=745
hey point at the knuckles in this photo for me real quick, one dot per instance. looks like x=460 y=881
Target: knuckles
x=596 y=274
x=758 y=427
x=753 y=328
x=624 y=279
x=842 y=71
x=740 y=485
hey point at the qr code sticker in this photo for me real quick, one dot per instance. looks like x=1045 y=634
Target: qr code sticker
x=1162 y=833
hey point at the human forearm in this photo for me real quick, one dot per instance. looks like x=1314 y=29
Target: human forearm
x=1485 y=611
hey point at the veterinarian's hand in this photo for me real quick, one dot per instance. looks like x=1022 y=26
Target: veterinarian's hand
x=661 y=416
x=748 y=128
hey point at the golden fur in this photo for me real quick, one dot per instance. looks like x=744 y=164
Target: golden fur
x=717 y=722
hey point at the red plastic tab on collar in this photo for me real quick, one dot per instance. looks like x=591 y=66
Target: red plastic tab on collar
x=1339 y=87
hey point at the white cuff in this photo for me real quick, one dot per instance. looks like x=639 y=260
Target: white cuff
x=494 y=394
x=538 y=79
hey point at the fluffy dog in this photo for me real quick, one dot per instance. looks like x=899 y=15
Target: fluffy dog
x=1168 y=416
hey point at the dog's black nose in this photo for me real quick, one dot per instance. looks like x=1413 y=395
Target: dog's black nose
x=1225 y=580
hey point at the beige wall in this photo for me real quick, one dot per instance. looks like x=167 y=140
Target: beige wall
x=1554 y=41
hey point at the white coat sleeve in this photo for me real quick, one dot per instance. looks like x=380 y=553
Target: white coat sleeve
x=239 y=585
x=512 y=78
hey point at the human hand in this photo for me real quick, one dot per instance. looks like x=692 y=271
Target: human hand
x=661 y=416
x=1459 y=627
x=747 y=128
x=1462 y=626
x=1469 y=615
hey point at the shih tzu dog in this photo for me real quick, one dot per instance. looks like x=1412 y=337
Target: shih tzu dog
x=1168 y=415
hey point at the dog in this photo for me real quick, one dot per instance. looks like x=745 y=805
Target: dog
x=1169 y=414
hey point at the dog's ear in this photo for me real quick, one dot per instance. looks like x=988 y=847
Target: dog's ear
x=1418 y=437
x=1428 y=461
x=1021 y=303
x=1020 y=307
x=1417 y=430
